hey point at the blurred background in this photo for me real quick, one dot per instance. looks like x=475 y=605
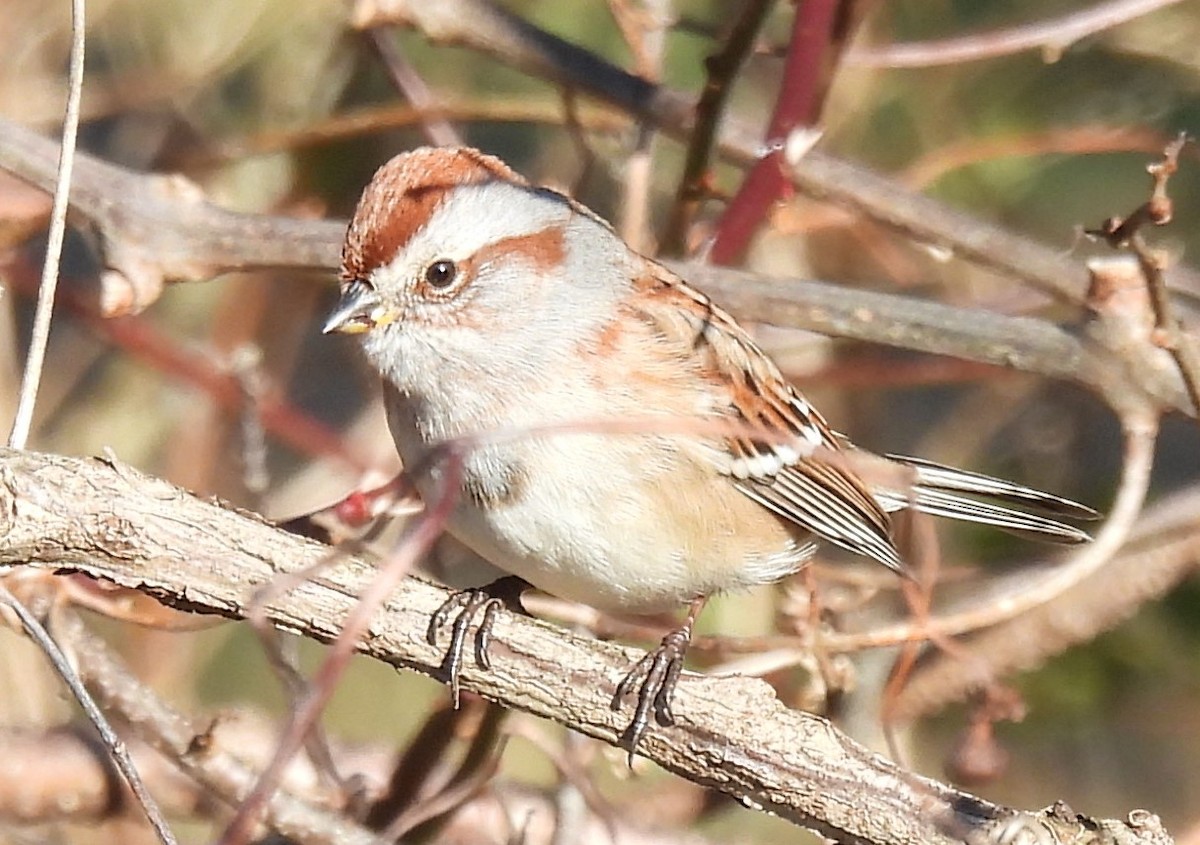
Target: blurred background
x=278 y=106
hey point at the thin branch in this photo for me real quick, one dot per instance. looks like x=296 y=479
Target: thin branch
x=731 y=734
x=721 y=69
x=113 y=743
x=1162 y=552
x=1126 y=233
x=1140 y=436
x=192 y=748
x=1052 y=37
x=806 y=77
x=362 y=121
x=60 y=775
x=412 y=87
x=1169 y=332
x=644 y=28
x=36 y=356
x=143 y=341
x=419 y=537
x=1074 y=140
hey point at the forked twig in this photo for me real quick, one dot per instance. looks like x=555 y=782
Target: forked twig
x=1126 y=233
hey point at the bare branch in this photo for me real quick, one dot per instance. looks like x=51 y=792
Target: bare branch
x=721 y=68
x=54 y=775
x=111 y=522
x=36 y=356
x=1126 y=233
x=413 y=88
x=1164 y=550
x=158 y=229
x=808 y=69
x=1141 y=433
x=1052 y=37
x=112 y=743
x=189 y=746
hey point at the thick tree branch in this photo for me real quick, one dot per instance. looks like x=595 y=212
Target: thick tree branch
x=155 y=229
x=111 y=522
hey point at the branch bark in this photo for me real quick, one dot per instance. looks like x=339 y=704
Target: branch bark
x=109 y=521
x=156 y=229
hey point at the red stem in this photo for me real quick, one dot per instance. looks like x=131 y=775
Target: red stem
x=801 y=96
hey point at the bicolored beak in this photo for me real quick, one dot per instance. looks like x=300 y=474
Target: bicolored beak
x=359 y=310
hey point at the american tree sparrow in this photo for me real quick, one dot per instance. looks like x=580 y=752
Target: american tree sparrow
x=490 y=305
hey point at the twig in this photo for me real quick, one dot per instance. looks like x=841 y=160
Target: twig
x=60 y=775
x=645 y=30
x=417 y=540
x=412 y=87
x=1074 y=140
x=424 y=763
x=806 y=76
x=1051 y=36
x=1168 y=331
x=1162 y=552
x=484 y=26
x=143 y=341
x=192 y=749
x=36 y=358
x=113 y=743
x=1126 y=233
x=574 y=127
x=721 y=69
x=425 y=820
x=1140 y=436
x=366 y=120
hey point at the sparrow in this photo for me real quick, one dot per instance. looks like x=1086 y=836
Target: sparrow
x=624 y=442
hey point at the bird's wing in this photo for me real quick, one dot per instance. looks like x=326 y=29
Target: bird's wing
x=780 y=451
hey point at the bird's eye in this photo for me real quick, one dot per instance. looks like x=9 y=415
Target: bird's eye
x=441 y=273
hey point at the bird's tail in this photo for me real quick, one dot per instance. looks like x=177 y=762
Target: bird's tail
x=959 y=494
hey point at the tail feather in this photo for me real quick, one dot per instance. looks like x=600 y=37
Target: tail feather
x=942 y=477
x=948 y=492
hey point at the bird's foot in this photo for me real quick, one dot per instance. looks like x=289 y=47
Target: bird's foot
x=654 y=677
x=505 y=592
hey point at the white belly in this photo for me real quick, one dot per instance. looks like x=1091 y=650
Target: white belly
x=605 y=529
x=615 y=521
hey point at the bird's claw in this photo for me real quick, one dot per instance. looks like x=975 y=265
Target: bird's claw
x=504 y=593
x=654 y=677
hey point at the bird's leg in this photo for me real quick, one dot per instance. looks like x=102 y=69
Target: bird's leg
x=655 y=677
x=504 y=592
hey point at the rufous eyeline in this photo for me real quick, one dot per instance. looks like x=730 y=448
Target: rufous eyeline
x=487 y=304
